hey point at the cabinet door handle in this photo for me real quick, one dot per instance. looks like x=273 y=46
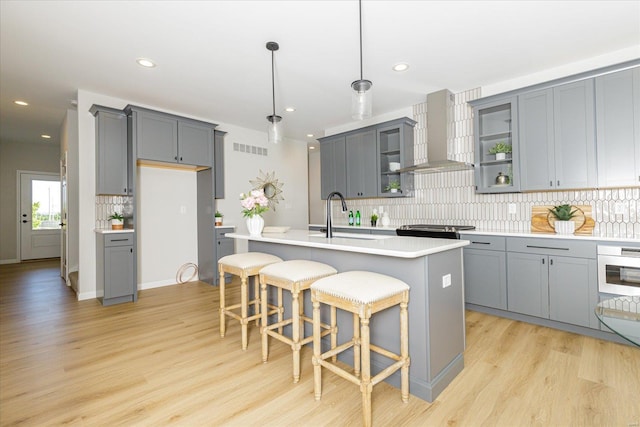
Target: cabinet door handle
x=546 y=247
x=131 y=250
x=543 y=261
x=551 y=261
x=550 y=183
x=481 y=243
x=558 y=183
x=119 y=240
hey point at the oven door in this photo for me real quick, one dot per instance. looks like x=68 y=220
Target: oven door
x=619 y=275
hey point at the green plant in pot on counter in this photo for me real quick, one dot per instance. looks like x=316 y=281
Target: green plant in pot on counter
x=374 y=219
x=393 y=186
x=563 y=215
x=218 y=218
x=116 y=221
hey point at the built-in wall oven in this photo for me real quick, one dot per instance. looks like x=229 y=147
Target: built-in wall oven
x=619 y=270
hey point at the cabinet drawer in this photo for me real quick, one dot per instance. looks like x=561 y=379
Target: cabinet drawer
x=562 y=247
x=494 y=243
x=118 y=239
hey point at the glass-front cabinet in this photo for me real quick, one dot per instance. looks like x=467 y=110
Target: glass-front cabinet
x=395 y=151
x=496 y=146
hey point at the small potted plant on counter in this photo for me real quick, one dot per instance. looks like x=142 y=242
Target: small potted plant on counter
x=563 y=215
x=374 y=218
x=500 y=150
x=218 y=217
x=393 y=186
x=116 y=221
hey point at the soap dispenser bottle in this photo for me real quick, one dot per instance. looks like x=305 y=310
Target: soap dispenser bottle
x=350 y=217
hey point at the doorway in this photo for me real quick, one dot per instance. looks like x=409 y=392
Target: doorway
x=39 y=214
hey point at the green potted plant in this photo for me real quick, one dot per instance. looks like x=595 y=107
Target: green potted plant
x=374 y=219
x=218 y=217
x=563 y=215
x=116 y=221
x=500 y=149
x=393 y=186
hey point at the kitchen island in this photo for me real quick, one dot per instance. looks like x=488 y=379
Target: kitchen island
x=433 y=270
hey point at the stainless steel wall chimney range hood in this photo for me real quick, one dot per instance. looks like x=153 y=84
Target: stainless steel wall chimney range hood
x=438 y=107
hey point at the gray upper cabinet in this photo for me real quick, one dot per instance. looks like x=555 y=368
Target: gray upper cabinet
x=618 y=128
x=395 y=145
x=496 y=121
x=557 y=137
x=361 y=152
x=111 y=151
x=195 y=143
x=358 y=163
x=333 y=166
x=171 y=139
x=218 y=149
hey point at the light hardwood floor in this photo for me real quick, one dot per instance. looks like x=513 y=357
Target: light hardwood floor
x=162 y=361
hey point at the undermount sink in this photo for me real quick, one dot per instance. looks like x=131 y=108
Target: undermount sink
x=352 y=236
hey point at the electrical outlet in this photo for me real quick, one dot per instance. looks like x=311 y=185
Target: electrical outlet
x=512 y=209
x=446 y=280
x=618 y=209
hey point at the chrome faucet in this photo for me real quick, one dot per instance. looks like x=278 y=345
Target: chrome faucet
x=329 y=232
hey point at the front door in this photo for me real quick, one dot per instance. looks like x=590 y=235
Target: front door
x=39 y=215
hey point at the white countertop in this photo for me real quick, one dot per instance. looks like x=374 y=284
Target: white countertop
x=394 y=246
x=358 y=227
x=109 y=231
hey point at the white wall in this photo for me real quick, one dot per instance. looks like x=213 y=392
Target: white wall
x=158 y=267
x=69 y=143
x=166 y=224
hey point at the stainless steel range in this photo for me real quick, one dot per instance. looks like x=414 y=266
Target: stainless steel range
x=433 y=230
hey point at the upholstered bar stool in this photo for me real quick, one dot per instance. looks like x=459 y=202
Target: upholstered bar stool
x=243 y=265
x=363 y=294
x=295 y=276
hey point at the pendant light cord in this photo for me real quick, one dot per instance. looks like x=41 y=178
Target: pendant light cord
x=360 y=13
x=273 y=85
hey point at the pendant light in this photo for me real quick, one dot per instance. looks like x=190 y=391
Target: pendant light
x=275 y=128
x=362 y=97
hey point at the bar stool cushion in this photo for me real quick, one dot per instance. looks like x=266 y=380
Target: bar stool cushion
x=363 y=287
x=297 y=270
x=248 y=260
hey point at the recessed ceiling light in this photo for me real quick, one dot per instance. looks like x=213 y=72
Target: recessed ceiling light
x=401 y=67
x=290 y=109
x=46 y=136
x=311 y=147
x=21 y=103
x=145 y=62
x=310 y=135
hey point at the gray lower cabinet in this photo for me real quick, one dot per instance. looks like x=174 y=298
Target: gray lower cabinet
x=485 y=271
x=225 y=246
x=361 y=157
x=333 y=166
x=557 y=137
x=116 y=281
x=112 y=177
x=554 y=279
x=167 y=138
x=618 y=128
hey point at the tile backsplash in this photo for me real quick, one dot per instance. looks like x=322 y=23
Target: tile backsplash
x=107 y=205
x=450 y=197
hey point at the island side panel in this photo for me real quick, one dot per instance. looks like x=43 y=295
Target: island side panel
x=425 y=382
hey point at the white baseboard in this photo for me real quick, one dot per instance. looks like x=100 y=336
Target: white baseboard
x=9 y=261
x=87 y=295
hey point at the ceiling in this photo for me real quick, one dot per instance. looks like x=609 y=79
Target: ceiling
x=212 y=62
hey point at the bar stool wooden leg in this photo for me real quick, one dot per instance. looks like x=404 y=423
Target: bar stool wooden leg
x=264 y=323
x=280 y=310
x=317 y=374
x=223 y=324
x=243 y=310
x=295 y=333
x=334 y=331
x=356 y=344
x=365 y=386
x=404 y=351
